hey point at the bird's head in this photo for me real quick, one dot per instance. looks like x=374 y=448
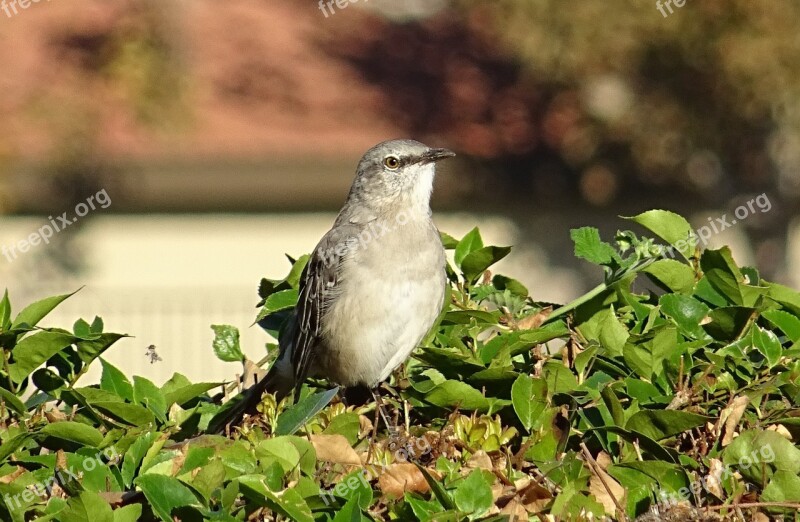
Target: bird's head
x=397 y=173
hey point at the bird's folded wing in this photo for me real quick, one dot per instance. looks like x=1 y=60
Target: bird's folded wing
x=318 y=286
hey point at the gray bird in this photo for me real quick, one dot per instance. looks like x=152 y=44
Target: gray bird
x=373 y=286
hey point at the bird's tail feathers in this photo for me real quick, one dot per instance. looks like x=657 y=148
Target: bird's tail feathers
x=232 y=413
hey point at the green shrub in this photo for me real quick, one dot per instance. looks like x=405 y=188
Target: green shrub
x=673 y=381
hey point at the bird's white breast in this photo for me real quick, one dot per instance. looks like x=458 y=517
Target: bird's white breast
x=389 y=302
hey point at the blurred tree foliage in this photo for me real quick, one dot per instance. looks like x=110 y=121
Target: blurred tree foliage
x=613 y=103
x=129 y=64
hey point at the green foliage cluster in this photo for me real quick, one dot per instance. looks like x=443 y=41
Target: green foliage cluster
x=676 y=379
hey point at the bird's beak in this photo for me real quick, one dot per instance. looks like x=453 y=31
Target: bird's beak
x=433 y=155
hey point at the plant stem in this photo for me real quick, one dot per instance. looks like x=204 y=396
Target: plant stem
x=591 y=294
x=13 y=388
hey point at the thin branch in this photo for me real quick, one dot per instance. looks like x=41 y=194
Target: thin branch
x=596 y=469
x=788 y=505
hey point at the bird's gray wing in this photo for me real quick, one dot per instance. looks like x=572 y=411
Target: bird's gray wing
x=318 y=286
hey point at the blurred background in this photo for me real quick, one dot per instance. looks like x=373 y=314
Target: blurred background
x=224 y=135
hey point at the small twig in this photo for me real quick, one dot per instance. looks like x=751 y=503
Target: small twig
x=596 y=468
x=788 y=505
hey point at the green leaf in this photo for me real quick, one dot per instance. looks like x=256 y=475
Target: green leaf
x=470 y=242
x=350 y=512
x=784 y=486
x=438 y=490
x=467 y=316
x=74 y=432
x=476 y=262
x=424 y=510
x=81 y=329
x=34 y=350
x=768 y=344
x=5 y=313
x=88 y=507
x=130 y=513
x=226 y=343
x=32 y=314
x=788 y=323
x=90 y=349
x=290 y=504
x=670 y=477
x=613 y=404
x=448 y=241
x=165 y=494
x=149 y=395
x=512 y=285
x=47 y=380
x=687 y=312
x=726 y=278
x=474 y=494
x=295 y=417
x=590 y=247
x=131 y=414
x=185 y=394
x=97 y=325
x=613 y=334
x=282 y=300
x=457 y=394
x=355 y=487
x=646 y=356
x=345 y=424
x=670 y=227
x=753 y=450
x=278 y=449
x=786 y=296
x=677 y=276
x=728 y=322
x=114 y=381
x=12 y=401
x=529 y=398
x=11 y=445
x=210 y=478
x=134 y=455
x=660 y=424
x=293 y=279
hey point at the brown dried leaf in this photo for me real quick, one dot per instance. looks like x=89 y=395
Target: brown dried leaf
x=603 y=492
x=781 y=430
x=712 y=482
x=534 y=321
x=515 y=510
x=534 y=497
x=335 y=449
x=365 y=426
x=8 y=479
x=731 y=417
x=402 y=477
x=54 y=416
x=252 y=374
x=479 y=460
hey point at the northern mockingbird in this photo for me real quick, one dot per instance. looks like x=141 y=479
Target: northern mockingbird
x=373 y=286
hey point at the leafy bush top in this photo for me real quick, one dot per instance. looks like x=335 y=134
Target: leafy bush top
x=672 y=384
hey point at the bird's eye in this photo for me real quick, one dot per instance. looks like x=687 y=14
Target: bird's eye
x=392 y=162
